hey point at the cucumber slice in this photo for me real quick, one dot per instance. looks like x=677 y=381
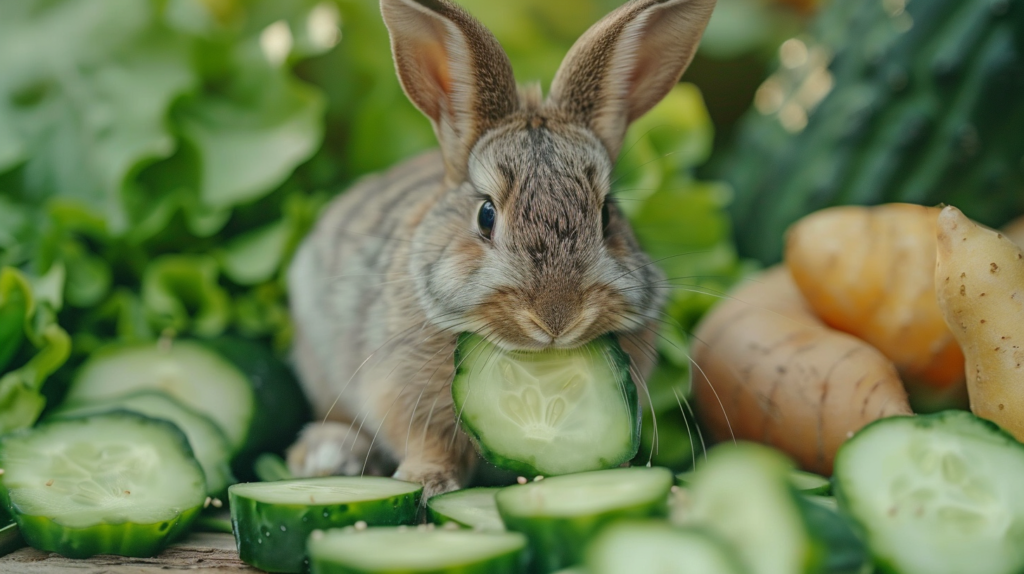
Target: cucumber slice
x=281 y=406
x=659 y=548
x=416 y=550
x=936 y=494
x=209 y=445
x=810 y=483
x=273 y=519
x=471 y=508
x=738 y=493
x=188 y=371
x=10 y=537
x=844 y=552
x=559 y=515
x=551 y=412
x=117 y=483
x=805 y=482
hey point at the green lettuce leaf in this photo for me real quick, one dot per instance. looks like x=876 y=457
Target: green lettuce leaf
x=32 y=343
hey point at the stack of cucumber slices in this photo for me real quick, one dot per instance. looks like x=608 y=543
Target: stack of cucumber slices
x=145 y=435
x=149 y=433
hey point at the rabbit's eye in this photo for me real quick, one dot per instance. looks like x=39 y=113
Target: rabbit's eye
x=605 y=217
x=485 y=218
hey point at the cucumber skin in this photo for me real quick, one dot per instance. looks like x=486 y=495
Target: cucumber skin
x=510 y=563
x=280 y=406
x=124 y=539
x=841 y=550
x=884 y=564
x=557 y=543
x=524 y=468
x=251 y=520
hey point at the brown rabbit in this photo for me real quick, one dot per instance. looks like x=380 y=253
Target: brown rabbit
x=509 y=231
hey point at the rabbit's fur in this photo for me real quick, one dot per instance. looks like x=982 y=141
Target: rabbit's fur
x=397 y=266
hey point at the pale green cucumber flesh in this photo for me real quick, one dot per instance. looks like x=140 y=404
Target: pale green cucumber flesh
x=416 y=550
x=810 y=483
x=208 y=442
x=659 y=548
x=744 y=495
x=272 y=520
x=804 y=482
x=936 y=494
x=193 y=374
x=471 y=508
x=550 y=412
x=559 y=515
x=117 y=483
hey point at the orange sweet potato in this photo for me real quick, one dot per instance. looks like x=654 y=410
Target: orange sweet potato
x=870 y=271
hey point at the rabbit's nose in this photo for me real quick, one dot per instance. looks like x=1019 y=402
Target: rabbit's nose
x=554 y=326
x=542 y=324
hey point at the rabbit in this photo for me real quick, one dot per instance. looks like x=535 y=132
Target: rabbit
x=507 y=230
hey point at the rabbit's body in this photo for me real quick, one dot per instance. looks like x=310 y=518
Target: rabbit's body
x=508 y=232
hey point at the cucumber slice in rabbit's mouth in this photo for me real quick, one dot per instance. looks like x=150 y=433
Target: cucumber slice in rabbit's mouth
x=550 y=412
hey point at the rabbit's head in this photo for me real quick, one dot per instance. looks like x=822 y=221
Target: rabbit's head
x=524 y=244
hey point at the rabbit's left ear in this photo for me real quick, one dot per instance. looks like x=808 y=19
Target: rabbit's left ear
x=626 y=63
x=453 y=70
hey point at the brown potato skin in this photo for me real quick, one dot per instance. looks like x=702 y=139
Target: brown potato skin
x=869 y=271
x=768 y=370
x=979 y=283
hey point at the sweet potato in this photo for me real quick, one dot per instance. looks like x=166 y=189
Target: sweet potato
x=869 y=271
x=979 y=283
x=768 y=370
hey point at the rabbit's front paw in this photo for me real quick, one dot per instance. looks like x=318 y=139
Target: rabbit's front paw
x=331 y=448
x=434 y=478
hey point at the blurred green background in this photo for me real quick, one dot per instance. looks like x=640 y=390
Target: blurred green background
x=161 y=159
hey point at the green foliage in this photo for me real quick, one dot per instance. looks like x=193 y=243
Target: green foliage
x=32 y=346
x=885 y=103
x=164 y=158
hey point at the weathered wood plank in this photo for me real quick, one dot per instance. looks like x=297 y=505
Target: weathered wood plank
x=203 y=553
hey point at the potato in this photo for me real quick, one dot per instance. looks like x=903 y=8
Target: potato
x=768 y=370
x=869 y=271
x=979 y=283
x=1015 y=231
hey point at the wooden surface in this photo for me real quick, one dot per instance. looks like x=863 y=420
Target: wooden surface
x=202 y=553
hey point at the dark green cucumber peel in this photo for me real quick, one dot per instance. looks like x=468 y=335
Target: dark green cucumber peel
x=558 y=537
x=281 y=406
x=527 y=464
x=10 y=536
x=268 y=534
x=844 y=551
x=121 y=539
x=470 y=508
x=110 y=533
x=416 y=551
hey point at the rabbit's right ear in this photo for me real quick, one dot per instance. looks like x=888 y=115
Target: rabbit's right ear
x=453 y=70
x=626 y=63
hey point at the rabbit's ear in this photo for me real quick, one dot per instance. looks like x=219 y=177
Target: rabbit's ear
x=626 y=63
x=453 y=70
